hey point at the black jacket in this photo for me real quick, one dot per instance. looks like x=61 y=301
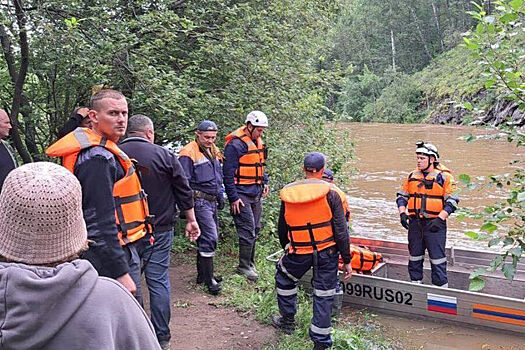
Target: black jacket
x=165 y=182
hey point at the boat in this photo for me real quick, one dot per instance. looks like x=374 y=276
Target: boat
x=387 y=288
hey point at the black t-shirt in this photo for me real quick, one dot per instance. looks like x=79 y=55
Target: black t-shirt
x=6 y=163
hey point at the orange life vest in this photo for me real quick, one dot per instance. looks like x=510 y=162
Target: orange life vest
x=344 y=201
x=426 y=195
x=131 y=205
x=251 y=164
x=308 y=216
x=363 y=259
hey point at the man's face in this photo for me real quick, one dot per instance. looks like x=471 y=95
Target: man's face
x=110 y=118
x=206 y=138
x=257 y=131
x=5 y=124
x=422 y=161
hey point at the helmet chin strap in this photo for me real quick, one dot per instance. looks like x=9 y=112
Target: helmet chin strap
x=250 y=131
x=428 y=166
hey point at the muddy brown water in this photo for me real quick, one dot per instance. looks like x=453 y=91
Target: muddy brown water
x=385 y=156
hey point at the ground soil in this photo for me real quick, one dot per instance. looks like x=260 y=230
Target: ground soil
x=200 y=321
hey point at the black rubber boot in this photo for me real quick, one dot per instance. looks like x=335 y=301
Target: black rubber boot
x=318 y=346
x=252 y=259
x=245 y=254
x=200 y=276
x=284 y=324
x=213 y=287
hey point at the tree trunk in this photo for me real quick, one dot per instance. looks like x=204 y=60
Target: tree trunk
x=438 y=25
x=392 y=41
x=420 y=32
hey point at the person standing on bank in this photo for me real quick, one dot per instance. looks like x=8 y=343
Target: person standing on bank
x=7 y=156
x=52 y=299
x=114 y=204
x=166 y=185
x=246 y=182
x=429 y=196
x=313 y=232
x=201 y=161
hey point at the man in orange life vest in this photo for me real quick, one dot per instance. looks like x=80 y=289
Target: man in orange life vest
x=114 y=204
x=201 y=161
x=313 y=231
x=428 y=195
x=245 y=182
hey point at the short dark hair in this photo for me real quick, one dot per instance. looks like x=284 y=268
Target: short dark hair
x=102 y=94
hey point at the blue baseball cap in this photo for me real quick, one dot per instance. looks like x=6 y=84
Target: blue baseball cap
x=328 y=174
x=314 y=161
x=207 y=125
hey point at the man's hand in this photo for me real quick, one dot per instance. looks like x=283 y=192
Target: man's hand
x=266 y=190
x=236 y=206
x=128 y=283
x=404 y=220
x=192 y=230
x=347 y=269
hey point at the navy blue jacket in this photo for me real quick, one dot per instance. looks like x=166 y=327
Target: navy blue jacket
x=164 y=182
x=234 y=150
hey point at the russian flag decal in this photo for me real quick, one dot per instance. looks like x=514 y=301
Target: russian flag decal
x=442 y=303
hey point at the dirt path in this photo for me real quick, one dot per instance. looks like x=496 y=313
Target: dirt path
x=198 y=321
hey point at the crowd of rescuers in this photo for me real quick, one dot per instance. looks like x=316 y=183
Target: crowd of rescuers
x=118 y=212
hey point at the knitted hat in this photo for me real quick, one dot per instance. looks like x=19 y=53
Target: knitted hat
x=41 y=215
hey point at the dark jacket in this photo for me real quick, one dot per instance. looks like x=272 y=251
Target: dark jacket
x=165 y=182
x=69 y=307
x=97 y=170
x=7 y=161
x=234 y=150
x=203 y=173
x=339 y=226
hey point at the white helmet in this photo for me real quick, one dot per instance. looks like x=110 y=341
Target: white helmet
x=257 y=118
x=427 y=148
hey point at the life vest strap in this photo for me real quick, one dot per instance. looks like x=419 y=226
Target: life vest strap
x=308 y=226
x=421 y=195
x=309 y=244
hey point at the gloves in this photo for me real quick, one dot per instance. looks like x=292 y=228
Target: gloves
x=404 y=220
x=436 y=224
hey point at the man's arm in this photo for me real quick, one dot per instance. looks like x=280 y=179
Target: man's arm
x=97 y=175
x=187 y=165
x=231 y=162
x=281 y=228
x=339 y=226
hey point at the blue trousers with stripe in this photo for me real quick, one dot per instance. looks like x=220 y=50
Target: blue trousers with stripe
x=421 y=238
x=206 y=215
x=290 y=269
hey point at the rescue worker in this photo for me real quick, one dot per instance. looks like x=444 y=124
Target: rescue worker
x=425 y=201
x=7 y=156
x=166 y=185
x=201 y=161
x=312 y=231
x=246 y=182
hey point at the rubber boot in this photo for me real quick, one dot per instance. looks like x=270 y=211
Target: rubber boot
x=200 y=276
x=213 y=287
x=284 y=324
x=338 y=301
x=318 y=346
x=252 y=259
x=245 y=254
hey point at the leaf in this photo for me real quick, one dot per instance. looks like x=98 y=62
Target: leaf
x=477 y=272
x=521 y=197
x=472 y=234
x=509 y=271
x=469 y=137
x=508 y=241
x=509 y=17
x=467 y=105
x=464 y=178
x=516 y=4
x=476 y=285
x=489 y=83
x=489 y=227
x=494 y=241
x=516 y=251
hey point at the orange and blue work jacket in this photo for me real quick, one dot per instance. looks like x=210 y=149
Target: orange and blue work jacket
x=425 y=195
x=203 y=173
x=131 y=206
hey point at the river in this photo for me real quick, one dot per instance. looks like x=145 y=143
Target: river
x=385 y=155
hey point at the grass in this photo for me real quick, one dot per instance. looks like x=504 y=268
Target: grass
x=260 y=300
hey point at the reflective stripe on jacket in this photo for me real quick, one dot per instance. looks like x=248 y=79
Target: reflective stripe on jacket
x=205 y=173
x=131 y=206
x=427 y=195
x=308 y=216
x=251 y=164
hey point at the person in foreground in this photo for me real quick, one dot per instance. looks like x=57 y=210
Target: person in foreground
x=313 y=231
x=51 y=299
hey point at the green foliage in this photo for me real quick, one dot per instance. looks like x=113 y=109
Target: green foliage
x=495 y=43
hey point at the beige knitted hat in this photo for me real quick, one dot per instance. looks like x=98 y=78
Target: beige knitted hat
x=41 y=214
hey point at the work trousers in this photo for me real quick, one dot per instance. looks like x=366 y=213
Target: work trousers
x=421 y=238
x=206 y=215
x=290 y=269
x=156 y=261
x=248 y=222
